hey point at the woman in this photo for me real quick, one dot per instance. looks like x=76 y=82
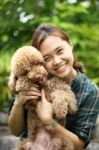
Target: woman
x=57 y=51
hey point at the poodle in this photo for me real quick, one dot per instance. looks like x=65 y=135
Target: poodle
x=27 y=68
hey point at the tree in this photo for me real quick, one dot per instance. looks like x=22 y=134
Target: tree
x=19 y=18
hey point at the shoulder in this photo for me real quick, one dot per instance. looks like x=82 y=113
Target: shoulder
x=83 y=83
x=85 y=89
x=87 y=95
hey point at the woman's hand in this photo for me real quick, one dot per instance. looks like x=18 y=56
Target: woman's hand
x=44 y=110
x=31 y=96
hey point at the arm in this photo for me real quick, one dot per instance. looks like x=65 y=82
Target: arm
x=58 y=129
x=16 y=119
x=85 y=120
x=46 y=117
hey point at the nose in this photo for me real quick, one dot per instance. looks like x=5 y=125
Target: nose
x=40 y=79
x=56 y=61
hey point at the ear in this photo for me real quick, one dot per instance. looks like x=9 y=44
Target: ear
x=12 y=82
x=71 y=44
x=72 y=106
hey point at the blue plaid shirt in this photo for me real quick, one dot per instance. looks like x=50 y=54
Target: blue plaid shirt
x=87 y=95
x=83 y=122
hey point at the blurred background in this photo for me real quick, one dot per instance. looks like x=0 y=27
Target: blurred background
x=18 y=20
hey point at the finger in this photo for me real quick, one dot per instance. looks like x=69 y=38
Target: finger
x=26 y=98
x=38 y=107
x=43 y=95
x=30 y=93
x=35 y=85
x=34 y=88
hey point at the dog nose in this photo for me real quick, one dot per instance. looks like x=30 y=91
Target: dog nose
x=41 y=79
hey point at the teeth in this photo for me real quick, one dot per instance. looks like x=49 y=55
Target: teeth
x=59 y=67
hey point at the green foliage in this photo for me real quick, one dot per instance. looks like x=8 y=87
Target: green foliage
x=19 y=18
x=5 y=94
x=83 y=30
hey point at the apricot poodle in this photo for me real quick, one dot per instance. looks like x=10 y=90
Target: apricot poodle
x=28 y=68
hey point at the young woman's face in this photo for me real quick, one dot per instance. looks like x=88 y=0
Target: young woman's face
x=58 y=56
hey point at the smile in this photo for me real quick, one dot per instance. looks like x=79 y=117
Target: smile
x=61 y=69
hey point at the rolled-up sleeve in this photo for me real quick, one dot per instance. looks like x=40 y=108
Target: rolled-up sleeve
x=84 y=124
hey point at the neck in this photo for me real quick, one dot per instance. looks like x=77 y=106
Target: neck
x=72 y=75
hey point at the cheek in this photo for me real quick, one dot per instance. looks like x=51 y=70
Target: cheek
x=69 y=56
x=49 y=65
x=72 y=59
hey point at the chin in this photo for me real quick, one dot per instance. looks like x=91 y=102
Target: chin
x=62 y=75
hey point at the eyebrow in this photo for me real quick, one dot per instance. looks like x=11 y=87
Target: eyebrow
x=56 y=49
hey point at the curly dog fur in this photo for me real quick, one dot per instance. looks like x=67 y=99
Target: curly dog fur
x=27 y=68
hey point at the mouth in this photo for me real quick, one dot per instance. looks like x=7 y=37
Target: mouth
x=61 y=68
x=41 y=80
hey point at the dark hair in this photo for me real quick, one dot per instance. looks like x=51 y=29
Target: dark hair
x=43 y=31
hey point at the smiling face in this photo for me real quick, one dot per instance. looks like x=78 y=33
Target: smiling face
x=58 y=56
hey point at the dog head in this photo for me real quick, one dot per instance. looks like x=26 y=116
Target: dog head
x=27 y=62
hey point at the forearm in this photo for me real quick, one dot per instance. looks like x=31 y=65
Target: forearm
x=16 y=119
x=78 y=144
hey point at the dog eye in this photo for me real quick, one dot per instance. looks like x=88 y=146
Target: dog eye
x=24 y=72
x=16 y=78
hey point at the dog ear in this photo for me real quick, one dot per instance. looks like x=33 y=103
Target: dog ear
x=12 y=82
x=72 y=106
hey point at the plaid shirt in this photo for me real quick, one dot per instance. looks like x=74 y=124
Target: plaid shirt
x=83 y=122
x=87 y=95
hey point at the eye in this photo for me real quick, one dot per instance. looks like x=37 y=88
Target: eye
x=47 y=59
x=25 y=72
x=59 y=51
x=16 y=78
